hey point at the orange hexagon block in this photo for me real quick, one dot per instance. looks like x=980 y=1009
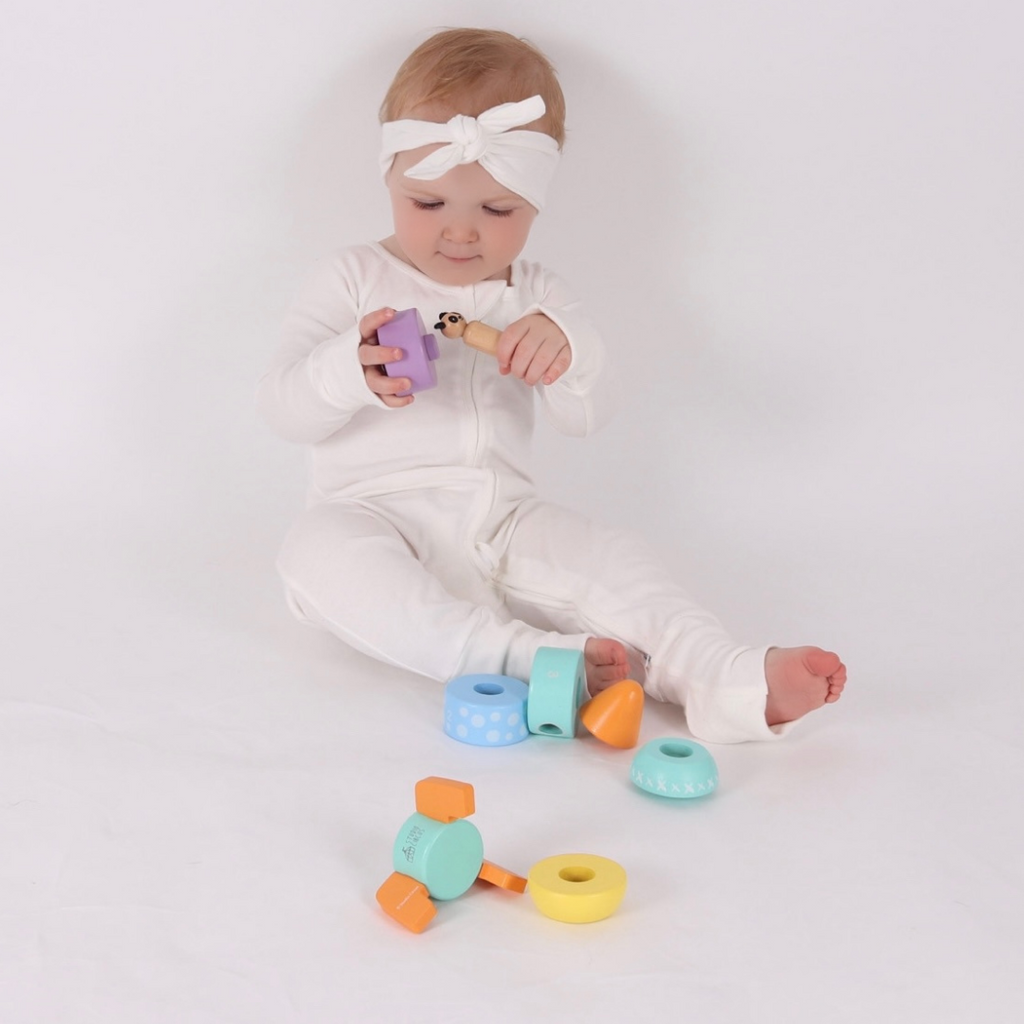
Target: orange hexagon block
x=444 y=799
x=501 y=877
x=407 y=901
x=613 y=716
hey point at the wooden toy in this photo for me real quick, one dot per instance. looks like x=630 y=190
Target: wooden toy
x=486 y=710
x=405 y=330
x=438 y=855
x=444 y=799
x=502 y=878
x=474 y=333
x=407 y=901
x=444 y=856
x=577 y=888
x=676 y=768
x=613 y=716
x=558 y=687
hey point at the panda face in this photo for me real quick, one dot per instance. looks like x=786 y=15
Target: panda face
x=449 y=324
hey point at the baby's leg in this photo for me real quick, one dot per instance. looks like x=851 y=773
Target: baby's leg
x=611 y=583
x=350 y=570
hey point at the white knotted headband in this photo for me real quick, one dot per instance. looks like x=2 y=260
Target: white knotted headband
x=523 y=162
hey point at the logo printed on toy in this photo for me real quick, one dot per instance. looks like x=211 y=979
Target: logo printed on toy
x=414 y=836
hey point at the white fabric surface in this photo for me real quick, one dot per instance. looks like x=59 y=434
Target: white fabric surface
x=198 y=801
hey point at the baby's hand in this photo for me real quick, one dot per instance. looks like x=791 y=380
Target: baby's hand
x=534 y=349
x=373 y=356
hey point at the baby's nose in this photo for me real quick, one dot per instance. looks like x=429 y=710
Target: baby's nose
x=461 y=231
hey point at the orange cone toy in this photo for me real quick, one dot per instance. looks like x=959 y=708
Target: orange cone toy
x=613 y=716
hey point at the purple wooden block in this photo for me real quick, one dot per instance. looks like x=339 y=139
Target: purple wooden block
x=405 y=330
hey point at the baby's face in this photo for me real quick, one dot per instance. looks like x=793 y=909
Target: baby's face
x=460 y=228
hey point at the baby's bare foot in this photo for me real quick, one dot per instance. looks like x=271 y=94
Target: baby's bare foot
x=606 y=663
x=801 y=679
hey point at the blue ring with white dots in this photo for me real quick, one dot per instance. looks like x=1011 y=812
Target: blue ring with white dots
x=486 y=710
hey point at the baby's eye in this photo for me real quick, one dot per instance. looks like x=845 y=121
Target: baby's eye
x=497 y=213
x=435 y=204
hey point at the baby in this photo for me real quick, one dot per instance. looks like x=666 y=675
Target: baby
x=424 y=544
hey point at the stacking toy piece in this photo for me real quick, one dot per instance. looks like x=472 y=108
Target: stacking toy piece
x=438 y=855
x=405 y=330
x=613 y=716
x=446 y=858
x=502 y=878
x=676 y=768
x=407 y=901
x=444 y=800
x=475 y=333
x=558 y=686
x=486 y=710
x=577 y=888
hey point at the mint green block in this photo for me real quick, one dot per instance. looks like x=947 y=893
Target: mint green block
x=558 y=688
x=446 y=858
x=676 y=768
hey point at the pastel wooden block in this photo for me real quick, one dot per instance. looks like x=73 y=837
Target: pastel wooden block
x=673 y=767
x=614 y=715
x=558 y=686
x=407 y=901
x=501 y=877
x=444 y=799
x=486 y=710
x=405 y=330
x=577 y=888
x=445 y=858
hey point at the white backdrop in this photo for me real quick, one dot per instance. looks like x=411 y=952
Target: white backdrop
x=801 y=223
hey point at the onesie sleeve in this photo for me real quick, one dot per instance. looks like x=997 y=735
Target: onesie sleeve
x=579 y=402
x=315 y=382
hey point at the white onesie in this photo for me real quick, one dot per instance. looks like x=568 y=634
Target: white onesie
x=424 y=544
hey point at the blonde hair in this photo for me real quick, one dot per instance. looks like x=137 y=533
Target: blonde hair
x=470 y=70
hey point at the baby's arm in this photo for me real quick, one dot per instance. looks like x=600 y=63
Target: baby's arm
x=580 y=397
x=318 y=380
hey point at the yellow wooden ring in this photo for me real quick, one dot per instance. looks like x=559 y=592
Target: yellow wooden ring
x=577 y=887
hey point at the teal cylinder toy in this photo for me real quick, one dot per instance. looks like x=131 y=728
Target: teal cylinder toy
x=677 y=768
x=558 y=688
x=446 y=858
x=486 y=710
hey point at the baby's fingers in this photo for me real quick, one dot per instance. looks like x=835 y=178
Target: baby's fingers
x=508 y=343
x=369 y=324
x=387 y=388
x=373 y=354
x=550 y=362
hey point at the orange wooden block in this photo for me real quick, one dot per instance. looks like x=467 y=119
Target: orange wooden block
x=613 y=716
x=444 y=799
x=501 y=877
x=408 y=902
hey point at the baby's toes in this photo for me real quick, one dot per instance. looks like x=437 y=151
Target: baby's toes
x=835 y=690
x=607 y=674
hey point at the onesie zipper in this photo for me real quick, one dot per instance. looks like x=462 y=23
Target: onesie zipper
x=475 y=398
x=478 y=425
